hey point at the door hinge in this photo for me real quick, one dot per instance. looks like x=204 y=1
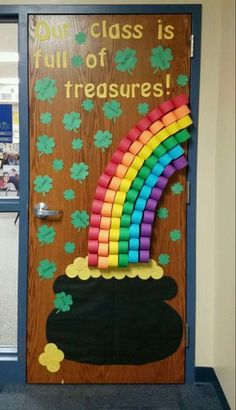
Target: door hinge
x=192 y=45
x=186 y=335
x=188 y=192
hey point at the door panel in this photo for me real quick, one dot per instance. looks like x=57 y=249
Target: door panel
x=106 y=328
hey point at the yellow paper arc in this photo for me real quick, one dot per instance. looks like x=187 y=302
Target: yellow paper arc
x=79 y=268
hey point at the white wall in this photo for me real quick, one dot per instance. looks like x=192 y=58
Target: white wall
x=224 y=309
x=215 y=304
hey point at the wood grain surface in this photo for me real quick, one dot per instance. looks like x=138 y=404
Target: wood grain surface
x=40 y=292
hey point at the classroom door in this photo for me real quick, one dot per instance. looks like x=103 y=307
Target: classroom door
x=107 y=233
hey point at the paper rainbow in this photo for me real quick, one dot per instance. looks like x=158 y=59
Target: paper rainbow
x=128 y=191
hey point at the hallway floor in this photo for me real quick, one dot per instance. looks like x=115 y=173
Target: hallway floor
x=8 y=278
x=110 y=397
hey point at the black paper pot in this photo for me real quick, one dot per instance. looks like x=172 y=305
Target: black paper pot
x=116 y=321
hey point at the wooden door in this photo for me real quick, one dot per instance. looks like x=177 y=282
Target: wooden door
x=92 y=78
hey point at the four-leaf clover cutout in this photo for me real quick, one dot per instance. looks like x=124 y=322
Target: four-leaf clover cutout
x=143 y=108
x=45 y=144
x=51 y=357
x=182 y=80
x=102 y=139
x=72 y=121
x=80 y=219
x=80 y=37
x=46 y=118
x=162 y=213
x=77 y=61
x=77 y=144
x=69 y=247
x=160 y=58
x=79 y=171
x=46 y=234
x=177 y=188
x=112 y=109
x=126 y=60
x=43 y=184
x=163 y=259
x=88 y=105
x=57 y=164
x=45 y=89
x=62 y=302
x=69 y=194
x=46 y=269
x=175 y=235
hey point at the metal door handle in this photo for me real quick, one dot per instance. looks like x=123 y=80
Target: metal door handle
x=41 y=211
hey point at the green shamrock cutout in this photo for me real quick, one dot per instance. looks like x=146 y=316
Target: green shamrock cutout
x=182 y=80
x=45 y=89
x=163 y=259
x=80 y=219
x=126 y=60
x=162 y=213
x=69 y=194
x=112 y=110
x=62 y=302
x=69 y=247
x=79 y=172
x=57 y=164
x=77 y=61
x=177 y=188
x=45 y=144
x=80 y=37
x=46 y=118
x=46 y=269
x=77 y=144
x=175 y=235
x=46 y=234
x=72 y=121
x=88 y=105
x=143 y=108
x=43 y=184
x=160 y=58
x=102 y=139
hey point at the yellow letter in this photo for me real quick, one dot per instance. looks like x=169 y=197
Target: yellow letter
x=113 y=90
x=133 y=86
x=169 y=32
x=49 y=64
x=102 y=54
x=44 y=26
x=37 y=56
x=146 y=89
x=123 y=92
x=114 y=31
x=64 y=59
x=102 y=90
x=92 y=30
x=89 y=90
x=66 y=27
x=77 y=86
x=138 y=29
x=93 y=62
x=126 y=31
x=159 y=30
x=68 y=86
x=157 y=90
x=56 y=35
x=58 y=59
x=104 y=28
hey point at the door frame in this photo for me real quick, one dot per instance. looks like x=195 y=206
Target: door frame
x=13 y=364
